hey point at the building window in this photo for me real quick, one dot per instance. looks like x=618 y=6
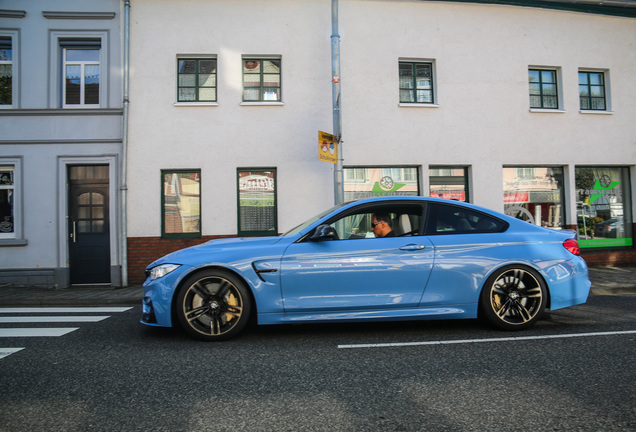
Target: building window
x=592 y=95
x=7 y=201
x=82 y=73
x=449 y=182
x=603 y=204
x=11 y=202
x=544 y=91
x=416 y=82
x=261 y=80
x=6 y=71
x=181 y=203
x=535 y=194
x=366 y=182
x=257 y=207
x=196 y=80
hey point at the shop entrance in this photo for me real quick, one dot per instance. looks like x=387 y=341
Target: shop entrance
x=89 y=227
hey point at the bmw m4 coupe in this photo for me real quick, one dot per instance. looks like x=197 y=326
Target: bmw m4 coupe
x=389 y=258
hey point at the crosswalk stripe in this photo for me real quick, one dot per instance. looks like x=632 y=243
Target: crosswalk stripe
x=17 y=310
x=57 y=319
x=8 y=351
x=36 y=332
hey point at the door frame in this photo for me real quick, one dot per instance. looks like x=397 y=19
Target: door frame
x=63 y=255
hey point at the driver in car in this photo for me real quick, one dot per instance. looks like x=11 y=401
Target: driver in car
x=381 y=225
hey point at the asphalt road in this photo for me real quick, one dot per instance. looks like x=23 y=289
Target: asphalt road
x=574 y=371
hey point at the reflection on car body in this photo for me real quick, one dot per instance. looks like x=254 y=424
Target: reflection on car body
x=447 y=260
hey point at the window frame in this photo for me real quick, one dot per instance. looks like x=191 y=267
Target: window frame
x=58 y=40
x=604 y=86
x=448 y=180
x=256 y=233
x=197 y=86
x=14 y=62
x=261 y=87
x=17 y=237
x=67 y=46
x=173 y=235
x=558 y=89
x=433 y=87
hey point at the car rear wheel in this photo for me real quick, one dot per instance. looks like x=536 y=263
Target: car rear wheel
x=514 y=298
x=213 y=305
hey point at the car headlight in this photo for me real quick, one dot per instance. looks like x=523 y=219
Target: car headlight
x=162 y=270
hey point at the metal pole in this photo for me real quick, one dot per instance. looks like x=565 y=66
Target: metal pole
x=124 y=157
x=338 y=177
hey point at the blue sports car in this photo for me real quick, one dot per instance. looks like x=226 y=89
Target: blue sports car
x=390 y=258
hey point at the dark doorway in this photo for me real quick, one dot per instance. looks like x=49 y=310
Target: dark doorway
x=89 y=227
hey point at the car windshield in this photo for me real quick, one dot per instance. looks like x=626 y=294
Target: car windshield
x=308 y=222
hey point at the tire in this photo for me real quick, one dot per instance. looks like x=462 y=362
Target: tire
x=213 y=305
x=513 y=298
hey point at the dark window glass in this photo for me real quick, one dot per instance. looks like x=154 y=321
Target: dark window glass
x=450 y=219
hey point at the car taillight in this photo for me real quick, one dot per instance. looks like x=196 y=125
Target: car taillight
x=572 y=246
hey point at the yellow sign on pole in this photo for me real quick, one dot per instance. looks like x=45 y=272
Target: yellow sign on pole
x=327 y=147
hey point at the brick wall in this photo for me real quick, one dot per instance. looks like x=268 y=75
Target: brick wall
x=144 y=250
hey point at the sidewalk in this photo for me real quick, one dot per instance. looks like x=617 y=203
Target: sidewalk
x=605 y=280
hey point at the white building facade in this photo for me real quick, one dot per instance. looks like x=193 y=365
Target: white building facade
x=60 y=142
x=526 y=110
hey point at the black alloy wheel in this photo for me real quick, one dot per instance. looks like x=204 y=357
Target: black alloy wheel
x=213 y=305
x=514 y=298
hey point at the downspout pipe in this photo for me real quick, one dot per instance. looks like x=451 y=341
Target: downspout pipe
x=338 y=177
x=124 y=152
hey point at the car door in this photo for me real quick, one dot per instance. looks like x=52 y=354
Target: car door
x=357 y=271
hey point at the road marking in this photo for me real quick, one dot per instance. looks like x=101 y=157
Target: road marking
x=4 y=352
x=17 y=310
x=505 y=339
x=57 y=319
x=36 y=332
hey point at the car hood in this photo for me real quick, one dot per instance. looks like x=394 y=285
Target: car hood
x=231 y=246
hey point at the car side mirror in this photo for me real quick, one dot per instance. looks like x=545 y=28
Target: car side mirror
x=324 y=232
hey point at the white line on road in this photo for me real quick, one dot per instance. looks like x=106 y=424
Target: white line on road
x=36 y=332
x=57 y=319
x=64 y=309
x=505 y=339
x=8 y=351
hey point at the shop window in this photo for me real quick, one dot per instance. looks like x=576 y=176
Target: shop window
x=603 y=204
x=82 y=73
x=257 y=206
x=535 y=194
x=416 y=82
x=262 y=79
x=367 y=182
x=196 y=80
x=180 y=203
x=592 y=91
x=6 y=71
x=449 y=182
x=544 y=88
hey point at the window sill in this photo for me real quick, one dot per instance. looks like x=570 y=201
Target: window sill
x=417 y=105
x=13 y=242
x=596 y=112
x=198 y=104
x=543 y=110
x=262 y=103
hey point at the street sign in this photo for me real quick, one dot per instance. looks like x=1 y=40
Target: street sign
x=327 y=147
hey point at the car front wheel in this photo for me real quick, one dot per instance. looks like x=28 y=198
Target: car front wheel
x=514 y=298
x=213 y=305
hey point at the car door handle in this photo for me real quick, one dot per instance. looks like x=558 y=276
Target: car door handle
x=412 y=247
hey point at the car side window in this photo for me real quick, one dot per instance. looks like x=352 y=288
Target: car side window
x=450 y=219
x=404 y=221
